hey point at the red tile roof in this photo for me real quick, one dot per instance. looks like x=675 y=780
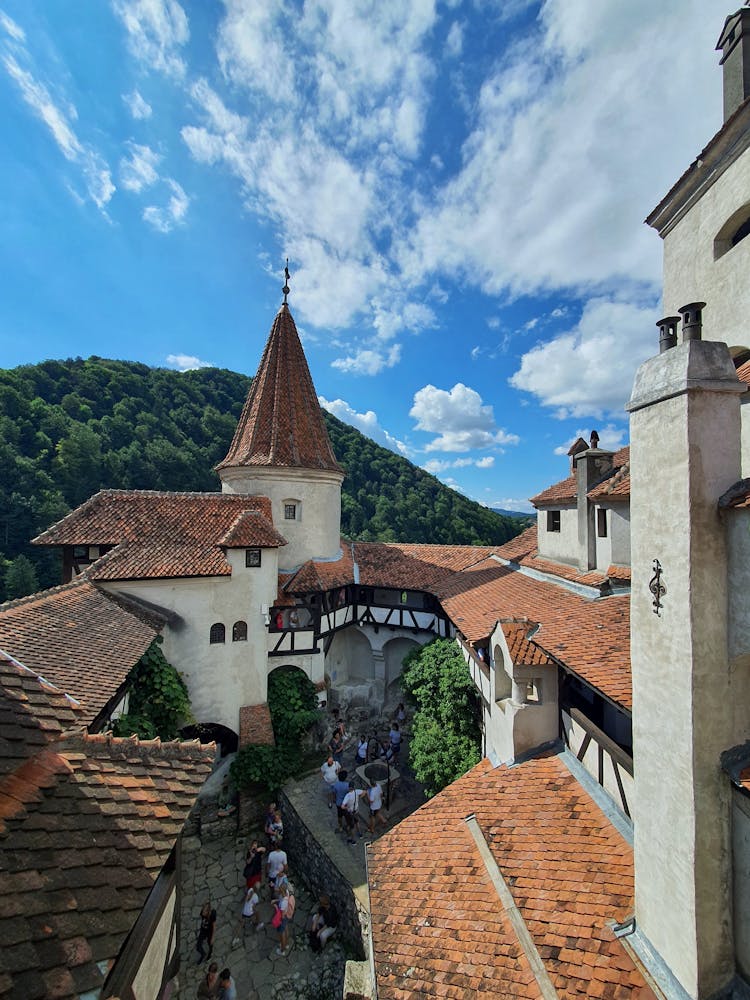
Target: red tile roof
x=566 y=491
x=281 y=423
x=88 y=823
x=743 y=372
x=522 y=545
x=252 y=530
x=524 y=652
x=255 y=725
x=79 y=638
x=158 y=535
x=439 y=928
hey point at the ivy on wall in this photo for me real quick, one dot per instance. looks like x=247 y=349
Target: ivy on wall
x=159 y=704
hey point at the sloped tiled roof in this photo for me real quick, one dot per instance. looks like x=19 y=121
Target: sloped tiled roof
x=79 y=638
x=566 y=491
x=439 y=927
x=87 y=825
x=251 y=528
x=743 y=372
x=281 y=423
x=520 y=546
x=156 y=535
x=524 y=652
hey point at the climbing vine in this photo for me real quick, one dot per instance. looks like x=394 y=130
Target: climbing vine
x=293 y=707
x=159 y=704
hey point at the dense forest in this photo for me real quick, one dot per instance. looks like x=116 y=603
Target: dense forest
x=70 y=428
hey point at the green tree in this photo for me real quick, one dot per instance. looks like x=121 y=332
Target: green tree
x=446 y=736
x=20 y=578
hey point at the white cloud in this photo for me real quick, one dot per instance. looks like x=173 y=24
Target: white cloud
x=91 y=163
x=137 y=106
x=454 y=42
x=572 y=165
x=589 y=370
x=438 y=465
x=165 y=217
x=10 y=27
x=611 y=438
x=369 y=362
x=187 y=362
x=139 y=171
x=157 y=29
x=366 y=422
x=459 y=418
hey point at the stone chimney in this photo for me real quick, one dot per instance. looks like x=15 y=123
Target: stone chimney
x=734 y=44
x=590 y=467
x=684 y=453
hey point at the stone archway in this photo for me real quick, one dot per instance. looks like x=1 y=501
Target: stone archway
x=350 y=659
x=208 y=732
x=394 y=652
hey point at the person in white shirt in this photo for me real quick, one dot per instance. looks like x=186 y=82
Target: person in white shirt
x=330 y=770
x=350 y=805
x=249 y=917
x=277 y=862
x=375 y=800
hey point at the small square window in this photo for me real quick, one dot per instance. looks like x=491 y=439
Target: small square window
x=601 y=523
x=290 y=511
x=533 y=692
x=553 y=520
x=252 y=557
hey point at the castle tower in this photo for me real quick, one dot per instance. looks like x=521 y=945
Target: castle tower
x=281 y=450
x=684 y=454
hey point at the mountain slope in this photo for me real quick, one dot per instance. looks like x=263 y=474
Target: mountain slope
x=70 y=428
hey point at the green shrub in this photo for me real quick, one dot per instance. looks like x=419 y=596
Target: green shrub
x=159 y=704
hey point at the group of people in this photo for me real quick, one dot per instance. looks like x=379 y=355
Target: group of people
x=215 y=985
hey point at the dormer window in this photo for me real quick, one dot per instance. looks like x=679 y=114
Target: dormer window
x=252 y=558
x=553 y=520
x=601 y=523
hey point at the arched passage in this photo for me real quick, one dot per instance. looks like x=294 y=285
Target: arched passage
x=394 y=652
x=208 y=732
x=350 y=658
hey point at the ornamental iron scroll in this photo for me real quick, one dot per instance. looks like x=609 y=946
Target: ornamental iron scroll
x=657 y=587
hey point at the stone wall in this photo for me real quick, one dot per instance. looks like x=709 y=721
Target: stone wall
x=309 y=860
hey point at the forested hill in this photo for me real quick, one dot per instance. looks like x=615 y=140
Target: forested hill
x=70 y=428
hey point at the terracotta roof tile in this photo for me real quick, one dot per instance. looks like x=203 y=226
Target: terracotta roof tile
x=255 y=725
x=523 y=651
x=743 y=372
x=566 y=491
x=87 y=824
x=79 y=638
x=156 y=535
x=437 y=918
x=522 y=545
x=252 y=529
x=281 y=423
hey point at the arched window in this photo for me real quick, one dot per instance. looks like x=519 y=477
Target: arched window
x=217 y=634
x=239 y=632
x=734 y=231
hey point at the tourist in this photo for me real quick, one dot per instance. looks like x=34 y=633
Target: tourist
x=386 y=751
x=375 y=801
x=227 y=989
x=249 y=915
x=208 y=988
x=362 y=749
x=340 y=791
x=395 y=737
x=400 y=714
x=336 y=745
x=275 y=830
x=323 y=924
x=277 y=862
x=285 y=906
x=279 y=619
x=269 y=818
x=350 y=805
x=253 y=869
x=206 y=931
x=330 y=770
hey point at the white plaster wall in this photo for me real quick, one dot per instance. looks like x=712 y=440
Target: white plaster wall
x=603 y=545
x=619 y=524
x=575 y=736
x=394 y=652
x=563 y=544
x=350 y=658
x=316 y=533
x=690 y=271
x=741 y=856
x=684 y=455
x=224 y=676
x=147 y=982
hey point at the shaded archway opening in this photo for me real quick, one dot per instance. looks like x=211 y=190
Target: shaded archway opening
x=209 y=732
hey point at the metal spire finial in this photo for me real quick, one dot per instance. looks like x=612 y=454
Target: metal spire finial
x=285 y=289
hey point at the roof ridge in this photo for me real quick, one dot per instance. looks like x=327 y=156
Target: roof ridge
x=163 y=746
x=49 y=592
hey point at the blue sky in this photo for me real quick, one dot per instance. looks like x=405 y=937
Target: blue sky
x=459 y=187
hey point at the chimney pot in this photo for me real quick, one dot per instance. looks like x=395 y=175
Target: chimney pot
x=594 y=439
x=734 y=45
x=667 y=332
x=692 y=320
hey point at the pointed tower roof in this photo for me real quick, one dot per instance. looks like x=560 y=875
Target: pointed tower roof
x=281 y=423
